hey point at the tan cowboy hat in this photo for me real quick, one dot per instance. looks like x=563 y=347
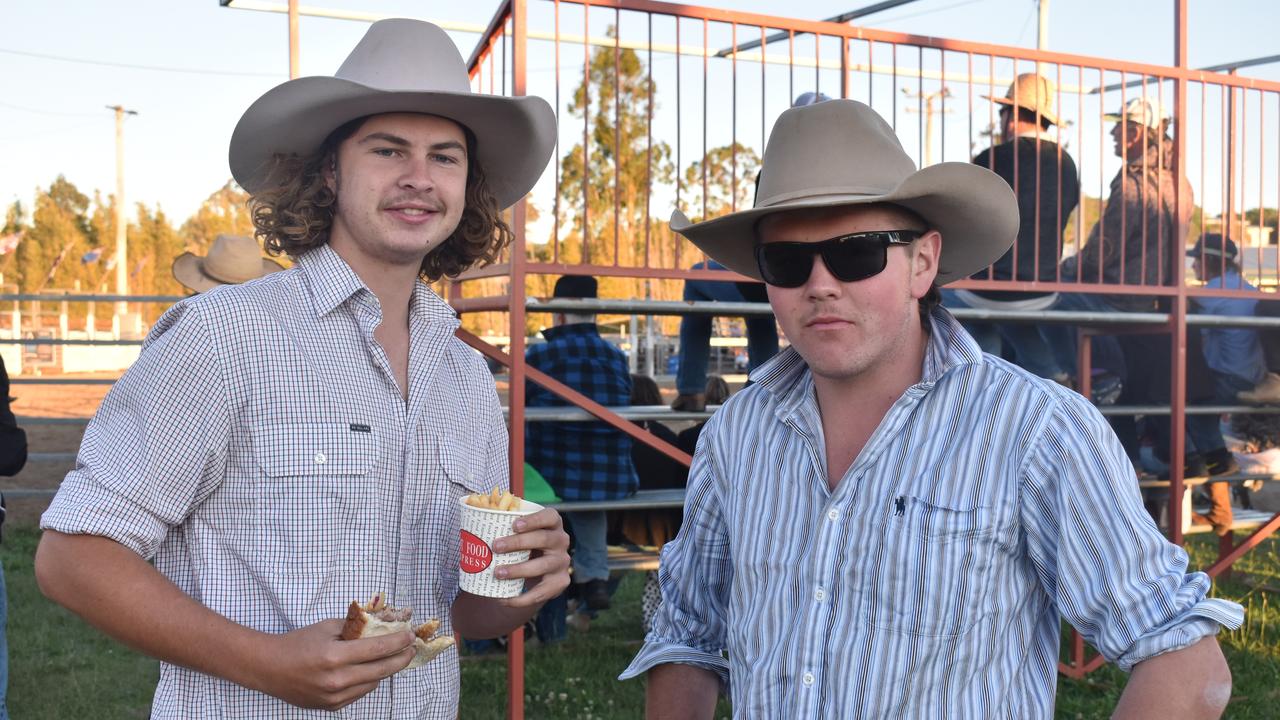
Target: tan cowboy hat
x=1148 y=112
x=399 y=66
x=841 y=152
x=1031 y=91
x=232 y=259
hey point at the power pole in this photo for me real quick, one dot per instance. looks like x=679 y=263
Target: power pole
x=122 y=243
x=928 y=111
x=293 y=39
x=1042 y=39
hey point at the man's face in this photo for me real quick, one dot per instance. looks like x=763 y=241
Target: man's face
x=1128 y=138
x=845 y=330
x=401 y=183
x=1006 y=124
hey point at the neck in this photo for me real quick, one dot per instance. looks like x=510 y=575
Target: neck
x=391 y=283
x=851 y=408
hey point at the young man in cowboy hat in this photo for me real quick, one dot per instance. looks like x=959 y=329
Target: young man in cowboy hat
x=232 y=259
x=888 y=522
x=1044 y=180
x=286 y=446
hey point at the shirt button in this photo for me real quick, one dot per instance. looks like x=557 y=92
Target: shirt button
x=833 y=515
x=808 y=678
x=321 y=459
x=819 y=594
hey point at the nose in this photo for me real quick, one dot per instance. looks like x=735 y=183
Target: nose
x=417 y=175
x=822 y=284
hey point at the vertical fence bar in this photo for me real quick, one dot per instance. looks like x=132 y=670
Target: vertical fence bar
x=555 y=202
x=1179 y=311
x=516 y=399
x=617 y=136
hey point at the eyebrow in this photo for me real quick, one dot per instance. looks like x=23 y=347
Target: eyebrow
x=397 y=140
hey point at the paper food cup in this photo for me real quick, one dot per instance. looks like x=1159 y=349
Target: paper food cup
x=480 y=527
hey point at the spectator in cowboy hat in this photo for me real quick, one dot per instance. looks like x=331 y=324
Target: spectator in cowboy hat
x=284 y=447
x=1045 y=181
x=889 y=522
x=232 y=259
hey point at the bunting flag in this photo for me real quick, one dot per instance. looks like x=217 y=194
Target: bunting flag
x=137 y=268
x=56 y=262
x=110 y=264
x=91 y=256
x=9 y=243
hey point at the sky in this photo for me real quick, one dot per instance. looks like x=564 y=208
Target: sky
x=189 y=68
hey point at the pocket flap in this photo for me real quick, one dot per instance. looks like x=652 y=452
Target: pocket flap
x=321 y=448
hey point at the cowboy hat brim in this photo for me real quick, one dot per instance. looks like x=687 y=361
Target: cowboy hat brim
x=973 y=209
x=514 y=135
x=188 y=269
x=1052 y=118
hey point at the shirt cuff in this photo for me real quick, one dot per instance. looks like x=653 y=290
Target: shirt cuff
x=658 y=651
x=1204 y=619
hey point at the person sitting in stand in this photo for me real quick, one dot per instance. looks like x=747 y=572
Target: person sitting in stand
x=716 y=392
x=653 y=528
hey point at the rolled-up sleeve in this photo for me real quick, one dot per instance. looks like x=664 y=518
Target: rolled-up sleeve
x=157 y=445
x=695 y=576
x=1114 y=577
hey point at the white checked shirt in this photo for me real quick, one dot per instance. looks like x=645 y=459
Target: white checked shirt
x=261 y=452
x=930 y=582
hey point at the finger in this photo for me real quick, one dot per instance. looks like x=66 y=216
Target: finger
x=375 y=648
x=546 y=588
x=351 y=694
x=534 y=567
x=544 y=518
x=550 y=540
x=383 y=667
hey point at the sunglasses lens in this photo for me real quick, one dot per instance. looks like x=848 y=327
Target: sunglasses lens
x=785 y=264
x=855 y=259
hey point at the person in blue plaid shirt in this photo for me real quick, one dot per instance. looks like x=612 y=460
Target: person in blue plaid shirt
x=582 y=460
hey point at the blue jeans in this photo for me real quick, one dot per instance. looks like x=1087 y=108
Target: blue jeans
x=4 y=648
x=1030 y=349
x=591 y=547
x=695 y=332
x=1204 y=432
x=1064 y=342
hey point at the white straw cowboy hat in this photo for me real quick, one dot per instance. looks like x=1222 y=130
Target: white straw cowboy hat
x=1033 y=92
x=399 y=66
x=841 y=152
x=1143 y=112
x=232 y=259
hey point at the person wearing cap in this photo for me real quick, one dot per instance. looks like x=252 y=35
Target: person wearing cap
x=1045 y=181
x=286 y=446
x=1235 y=364
x=232 y=259
x=890 y=522
x=1136 y=242
x=695 y=330
x=583 y=461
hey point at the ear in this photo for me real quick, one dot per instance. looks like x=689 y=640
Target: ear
x=927 y=249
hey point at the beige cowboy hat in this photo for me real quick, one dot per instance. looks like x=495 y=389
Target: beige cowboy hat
x=1031 y=91
x=841 y=152
x=232 y=259
x=399 y=66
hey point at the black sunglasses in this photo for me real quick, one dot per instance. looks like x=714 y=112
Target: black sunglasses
x=851 y=257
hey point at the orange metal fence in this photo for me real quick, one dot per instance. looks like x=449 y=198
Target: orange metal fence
x=664 y=106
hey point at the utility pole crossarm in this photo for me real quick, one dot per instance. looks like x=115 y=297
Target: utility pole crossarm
x=841 y=18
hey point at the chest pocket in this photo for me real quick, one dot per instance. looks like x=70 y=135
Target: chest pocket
x=312 y=497
x=932 y=571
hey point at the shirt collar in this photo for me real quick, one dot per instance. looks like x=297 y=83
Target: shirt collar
x=333 y=282
x=586 y=328
x=788 y=379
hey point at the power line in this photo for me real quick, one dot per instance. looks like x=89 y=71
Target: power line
x=45 y=112
x=130 y=66
x=918 y=13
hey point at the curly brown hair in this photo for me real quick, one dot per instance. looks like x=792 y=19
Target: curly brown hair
x=294 y=212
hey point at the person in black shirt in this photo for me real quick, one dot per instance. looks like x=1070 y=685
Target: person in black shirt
x=1044 y=179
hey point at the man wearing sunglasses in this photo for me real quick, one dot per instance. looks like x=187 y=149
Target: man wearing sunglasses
x=888 y=522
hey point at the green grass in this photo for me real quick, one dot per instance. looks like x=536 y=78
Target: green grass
x=60 y=668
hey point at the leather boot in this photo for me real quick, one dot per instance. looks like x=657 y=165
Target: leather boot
x=1219 y=515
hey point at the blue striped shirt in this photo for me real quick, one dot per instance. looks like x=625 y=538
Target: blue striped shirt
x=930 y=583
